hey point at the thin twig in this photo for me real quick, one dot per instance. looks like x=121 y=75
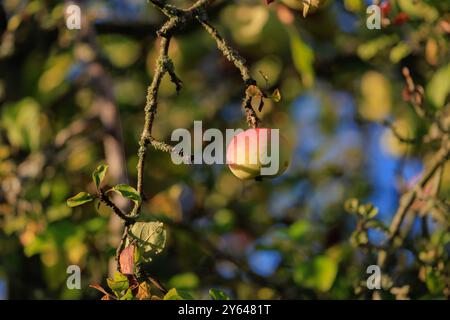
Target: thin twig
x=408 y=199
x=104 y=198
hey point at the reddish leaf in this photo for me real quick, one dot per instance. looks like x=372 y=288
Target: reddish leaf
x=127 y=260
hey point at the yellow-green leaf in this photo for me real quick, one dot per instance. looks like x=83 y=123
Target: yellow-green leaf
x=303 y=57
x=79 y=199
x=175 y=294
x=218 y=295
x=99 y=174
x=399 y=52
x=318 y=273
x=119 y=283
x=439 y=87
x=127 y=192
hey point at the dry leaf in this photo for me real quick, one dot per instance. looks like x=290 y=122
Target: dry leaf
x=144 y=292
x=276 y=95
x=307 y=4
x=253 y=91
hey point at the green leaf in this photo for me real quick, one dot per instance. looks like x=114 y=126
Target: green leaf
x=299 y=229
x=318 y=273
x=354 y=5
x=367 y=211
x=371 y=48
x=20 y=120
x=359 y=238
x=118 y=284
x=99 y=174
x=122 y=51
x=127 y=192
x=419 y=9
x=351 y=205
x=175 y=294
x=186 y=281
x=217 y=294
x=127 y=296
x=372 y=213
x=303 y=57
x=435 y=283
x=399 y=52
x=439 y=87
x=79 y=199
x=150 y=238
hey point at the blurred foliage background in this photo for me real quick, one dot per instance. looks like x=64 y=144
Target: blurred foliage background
x=72 y=99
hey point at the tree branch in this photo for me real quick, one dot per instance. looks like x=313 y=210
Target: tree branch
x=103 y=197
x=177 y=19
x=408 y=199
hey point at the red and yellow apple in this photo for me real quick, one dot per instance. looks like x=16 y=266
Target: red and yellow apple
x=251 y=153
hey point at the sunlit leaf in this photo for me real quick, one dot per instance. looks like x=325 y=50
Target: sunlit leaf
x=354 y=5
x=127 y=192
x=307 y=4
x=99 y=174
x=127 y=260
x=435 y=283
x=359 y=238
x=351 y=205
x=367 y=211
x=127 y=296
x=186 y=281
x=56 y=74
x=418 y=9
x=299 y=229
x=439 y=87
x=118 y=284
x=120 y=50
x=399 y=52
x=217 y=294
x=303 y=57
x=144 y=291
x=376 y=93
x=150 y=238
x=371 y=48
x=319 y=273
x=23 y=123
x=175 y=294
x=79 y=199
x=276 y=95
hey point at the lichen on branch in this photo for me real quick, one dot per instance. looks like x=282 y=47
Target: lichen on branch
x=178 y=18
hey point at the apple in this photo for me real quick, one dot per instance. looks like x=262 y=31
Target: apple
x=252 y=150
